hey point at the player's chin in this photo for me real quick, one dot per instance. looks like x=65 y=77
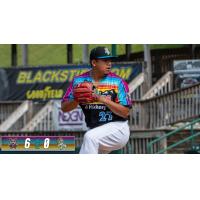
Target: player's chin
x=107 y=71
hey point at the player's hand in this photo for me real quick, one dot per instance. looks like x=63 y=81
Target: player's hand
x=101 y=99
x=84 y=93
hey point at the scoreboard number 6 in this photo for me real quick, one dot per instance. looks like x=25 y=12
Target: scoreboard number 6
x=27 y=143
x=46 y=143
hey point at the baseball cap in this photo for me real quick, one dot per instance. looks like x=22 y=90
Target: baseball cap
x=101 y=53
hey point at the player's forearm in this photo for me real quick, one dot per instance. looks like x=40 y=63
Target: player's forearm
x=67 y=106
x=118 y=109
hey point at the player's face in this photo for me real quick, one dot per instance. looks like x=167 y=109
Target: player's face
x=103 y=66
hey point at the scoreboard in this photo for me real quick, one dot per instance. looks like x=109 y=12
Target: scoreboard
x=38 y=143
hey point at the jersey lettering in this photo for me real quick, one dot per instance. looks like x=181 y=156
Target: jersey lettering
x=105 y=116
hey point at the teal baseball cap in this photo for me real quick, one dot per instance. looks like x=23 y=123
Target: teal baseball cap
x=101 y=53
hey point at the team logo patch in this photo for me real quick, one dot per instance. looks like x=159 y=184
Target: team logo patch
x=107 y=51
x=61 y=144
x=13 y=143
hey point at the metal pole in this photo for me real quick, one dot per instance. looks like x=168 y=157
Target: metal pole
x=69 y=54
x=24 y=54
x=114 y=49
x=13 y=55
x=147 y=59
x=193 y=50
x=85 y=53
x=128 y=51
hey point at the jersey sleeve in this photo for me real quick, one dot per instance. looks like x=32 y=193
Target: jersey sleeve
x=123 y=94
x=68 y=96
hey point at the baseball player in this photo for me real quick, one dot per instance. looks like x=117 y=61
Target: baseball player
x=103 y=97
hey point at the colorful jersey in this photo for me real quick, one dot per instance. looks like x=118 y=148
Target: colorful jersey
x=111 y=86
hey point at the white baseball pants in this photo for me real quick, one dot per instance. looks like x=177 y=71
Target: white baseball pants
x=106 y=138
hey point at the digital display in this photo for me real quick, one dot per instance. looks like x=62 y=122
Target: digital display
x=38 y=143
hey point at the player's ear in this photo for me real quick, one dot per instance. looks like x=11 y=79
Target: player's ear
x=93 y=63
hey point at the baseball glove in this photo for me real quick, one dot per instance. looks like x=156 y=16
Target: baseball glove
x=84 y=93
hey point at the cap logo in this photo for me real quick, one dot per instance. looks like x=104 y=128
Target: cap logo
x=107 y=51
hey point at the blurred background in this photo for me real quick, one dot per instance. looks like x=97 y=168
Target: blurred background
x=56 y=54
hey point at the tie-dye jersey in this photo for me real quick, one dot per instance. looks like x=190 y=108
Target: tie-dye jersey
x=111 y=86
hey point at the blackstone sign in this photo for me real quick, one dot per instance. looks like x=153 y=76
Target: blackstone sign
x=50 y=82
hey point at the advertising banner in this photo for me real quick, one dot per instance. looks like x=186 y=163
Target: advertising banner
x=187 y=73
x=50 y=82
x=70 y=121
